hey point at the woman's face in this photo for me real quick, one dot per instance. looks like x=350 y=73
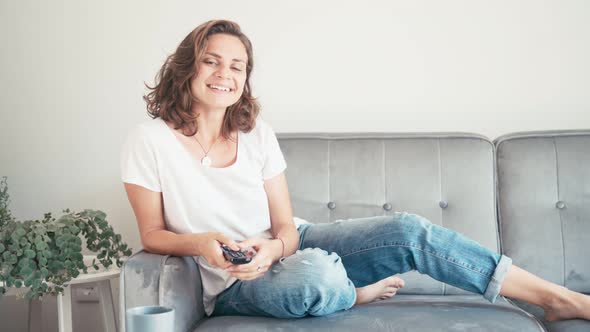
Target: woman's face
x=221 y=72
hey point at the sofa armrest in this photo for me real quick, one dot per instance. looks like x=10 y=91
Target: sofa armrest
x=151 y=279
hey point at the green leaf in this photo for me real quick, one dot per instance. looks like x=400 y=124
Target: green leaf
x=26 y=271
x=59 y=242
x=20 y=232
x=36 y=283
x=42 y=261
x=18 y=283
x=55 y=266
x=23 y=262
x=2 y=248
x=30 y=253
x=40 y=245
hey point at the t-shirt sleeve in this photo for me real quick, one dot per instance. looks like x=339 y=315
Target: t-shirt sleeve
x=138 y=161
x=274 y=161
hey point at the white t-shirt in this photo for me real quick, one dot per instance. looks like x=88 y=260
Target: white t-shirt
x=196 y=199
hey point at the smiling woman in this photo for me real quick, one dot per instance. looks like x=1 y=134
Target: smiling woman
x=220 y=74
x=202 y=95
x=211 y=67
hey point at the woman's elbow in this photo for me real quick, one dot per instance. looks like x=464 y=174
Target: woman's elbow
x=148 y=243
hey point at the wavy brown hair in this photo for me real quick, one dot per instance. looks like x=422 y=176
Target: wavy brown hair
x=171 y=98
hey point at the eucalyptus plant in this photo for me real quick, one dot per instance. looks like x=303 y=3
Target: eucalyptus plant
x=44 y=255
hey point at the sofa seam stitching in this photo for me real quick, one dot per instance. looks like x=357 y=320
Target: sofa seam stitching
x=559 y=210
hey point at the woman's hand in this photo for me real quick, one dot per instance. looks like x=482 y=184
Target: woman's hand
x=210 y=247
x=267 y=252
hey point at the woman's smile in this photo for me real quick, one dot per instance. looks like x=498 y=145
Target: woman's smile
x=218 y=88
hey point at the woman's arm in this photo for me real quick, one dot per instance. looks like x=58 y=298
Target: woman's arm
x=148 y=208
x=282 y=226
x=281 y=215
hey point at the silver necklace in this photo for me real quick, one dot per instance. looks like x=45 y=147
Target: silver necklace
x=206 y=160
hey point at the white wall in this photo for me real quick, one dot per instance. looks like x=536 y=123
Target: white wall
x=72 y=73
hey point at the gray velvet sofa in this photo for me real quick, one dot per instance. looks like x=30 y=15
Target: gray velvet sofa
x=526 y=195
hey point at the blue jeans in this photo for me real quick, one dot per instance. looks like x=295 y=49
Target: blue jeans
x=333 y=259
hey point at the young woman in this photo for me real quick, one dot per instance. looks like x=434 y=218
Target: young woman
x=206 y=171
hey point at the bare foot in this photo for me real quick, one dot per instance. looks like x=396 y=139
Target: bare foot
x=381 y=290
x=569 y=305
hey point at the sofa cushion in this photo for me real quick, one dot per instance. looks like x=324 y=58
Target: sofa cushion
x=544 y=190
x=447 y=178
x=544 y=208
x=400 y=313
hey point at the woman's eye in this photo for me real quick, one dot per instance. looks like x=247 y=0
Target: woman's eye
x=237 y=69
x=210 y=62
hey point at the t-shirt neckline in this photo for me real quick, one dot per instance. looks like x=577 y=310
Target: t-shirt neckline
x=198 y=162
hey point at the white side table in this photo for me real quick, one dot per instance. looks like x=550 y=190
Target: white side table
x=102 y=278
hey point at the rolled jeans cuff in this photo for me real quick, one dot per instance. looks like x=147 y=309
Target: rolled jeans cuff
x=493 y=289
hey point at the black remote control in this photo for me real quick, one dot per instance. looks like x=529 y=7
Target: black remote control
x=239 y=256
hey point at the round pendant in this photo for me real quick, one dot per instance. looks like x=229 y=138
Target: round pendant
x=206 y=161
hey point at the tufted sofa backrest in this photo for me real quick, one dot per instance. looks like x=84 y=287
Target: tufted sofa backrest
x=544 y=204
x=447 y=178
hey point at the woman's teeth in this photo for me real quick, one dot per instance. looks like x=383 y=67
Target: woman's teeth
x=220 y=88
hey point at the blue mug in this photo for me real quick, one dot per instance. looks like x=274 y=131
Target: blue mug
x=149 y=319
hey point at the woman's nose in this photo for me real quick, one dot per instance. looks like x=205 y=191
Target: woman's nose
x=223 y=72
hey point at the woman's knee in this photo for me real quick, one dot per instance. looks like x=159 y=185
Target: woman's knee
x=320 y=281
x=316 y=264
x=413 y=226
x=317 y=270
x=416 y=219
